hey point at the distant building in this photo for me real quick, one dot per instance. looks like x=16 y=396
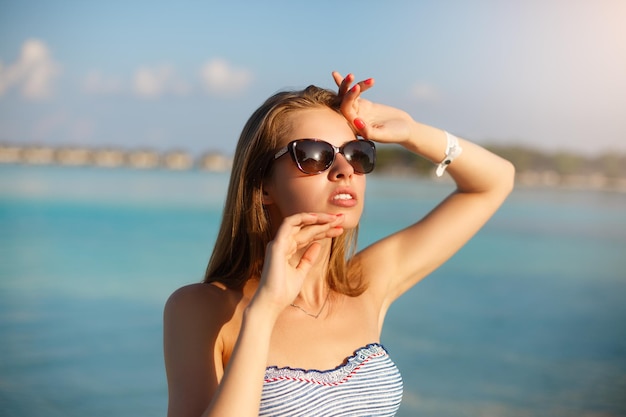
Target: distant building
x=143 y=159
x=214 y=162
x=10 y=154
x=109 y=158
x=177 y=160
x=74 y=156
x=38 y=155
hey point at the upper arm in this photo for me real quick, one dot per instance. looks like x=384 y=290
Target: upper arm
x=191 y=327
x=397 y=262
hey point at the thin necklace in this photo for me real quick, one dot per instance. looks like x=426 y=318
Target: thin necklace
x=309 y=314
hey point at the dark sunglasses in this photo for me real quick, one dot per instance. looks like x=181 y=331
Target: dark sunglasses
x=314 y=156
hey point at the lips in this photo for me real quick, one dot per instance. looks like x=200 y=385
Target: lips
x=343 y=198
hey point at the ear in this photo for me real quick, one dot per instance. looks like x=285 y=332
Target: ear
x=267 y=198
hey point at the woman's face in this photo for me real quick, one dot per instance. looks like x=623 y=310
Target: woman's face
x=336 y=190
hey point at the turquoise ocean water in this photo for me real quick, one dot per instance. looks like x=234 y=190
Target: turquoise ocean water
x=528 y=319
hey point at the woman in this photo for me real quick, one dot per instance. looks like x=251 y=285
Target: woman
x=288 y=320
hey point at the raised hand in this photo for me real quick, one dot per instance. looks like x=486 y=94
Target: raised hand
x=371 y=120
x=292 y=253
x=344 y=83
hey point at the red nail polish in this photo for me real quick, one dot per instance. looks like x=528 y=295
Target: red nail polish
x=358 y=123
x=369 y=81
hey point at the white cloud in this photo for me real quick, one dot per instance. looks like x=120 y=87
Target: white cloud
x=155 y=82
x=97 y=83
x=425 y=92
x=33 y=73
x=219 y=77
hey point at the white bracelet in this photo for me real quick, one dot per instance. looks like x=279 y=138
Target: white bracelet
x=453 y=150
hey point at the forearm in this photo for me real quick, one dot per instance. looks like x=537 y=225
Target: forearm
x=239 y=392
x=475 y=170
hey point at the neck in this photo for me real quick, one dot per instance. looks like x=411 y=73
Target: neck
x=315 y=289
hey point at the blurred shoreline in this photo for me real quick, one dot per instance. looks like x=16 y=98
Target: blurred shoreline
x=389 y=162
x=112 y=158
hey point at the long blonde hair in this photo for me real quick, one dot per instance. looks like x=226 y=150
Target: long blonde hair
x=245 y=229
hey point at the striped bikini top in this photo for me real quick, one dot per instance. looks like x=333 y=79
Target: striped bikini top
x=368 y=384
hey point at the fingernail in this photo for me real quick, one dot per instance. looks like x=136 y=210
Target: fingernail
x=358 y=123
x=369 y=81
x=354 y=87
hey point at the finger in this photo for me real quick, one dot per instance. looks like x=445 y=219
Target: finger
x=309 y=257
x=350 y=105
x=329 y=234
x=304 y=228
x=343 y=82
x=302 y=219
x=366 y=84
x=290 y=226
x=312 y=217
x=331 y=230
x=338 y=78
x=308 y=234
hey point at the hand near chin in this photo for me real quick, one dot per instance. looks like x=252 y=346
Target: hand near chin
x=371 y=120
x=292 y=254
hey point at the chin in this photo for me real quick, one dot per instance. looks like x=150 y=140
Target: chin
x=350 y=222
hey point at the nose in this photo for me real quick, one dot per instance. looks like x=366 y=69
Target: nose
x=340 y=168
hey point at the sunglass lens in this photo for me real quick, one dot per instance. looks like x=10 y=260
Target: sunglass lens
x=361 y=154
x=313 y=156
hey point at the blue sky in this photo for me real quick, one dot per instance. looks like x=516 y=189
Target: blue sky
x=186 y=75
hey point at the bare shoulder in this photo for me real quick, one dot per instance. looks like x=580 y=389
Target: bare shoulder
x=195 y=295
x=194 y=319
x=196 y=303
